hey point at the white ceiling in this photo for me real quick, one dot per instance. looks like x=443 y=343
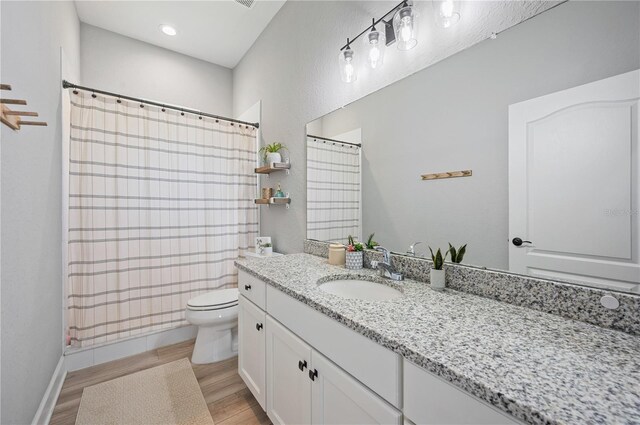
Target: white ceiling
x=219 y=31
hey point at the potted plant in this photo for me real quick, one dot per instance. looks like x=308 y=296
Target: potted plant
x=354 y=254
x=271 y=153
x=266 y=248
x=457 y=255
x=371 y=244
x=437 y=271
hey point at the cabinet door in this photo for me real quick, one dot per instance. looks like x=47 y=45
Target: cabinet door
x=288 y=382
x=251 y=348
x=430 y=400
x=338 y=398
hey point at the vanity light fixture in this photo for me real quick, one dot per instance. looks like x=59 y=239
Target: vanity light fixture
x=405 y=26
x=447 y=13
x=402 y=27
x=347 y=59
x=375 y=44
x=168 y=30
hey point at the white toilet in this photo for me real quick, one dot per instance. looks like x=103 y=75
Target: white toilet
x=216 y=315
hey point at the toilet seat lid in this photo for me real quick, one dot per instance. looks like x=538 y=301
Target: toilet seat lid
x=214 y=300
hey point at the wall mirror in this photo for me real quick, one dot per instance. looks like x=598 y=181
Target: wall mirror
x=541 y=125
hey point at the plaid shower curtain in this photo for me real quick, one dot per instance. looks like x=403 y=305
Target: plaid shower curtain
x=160 y=205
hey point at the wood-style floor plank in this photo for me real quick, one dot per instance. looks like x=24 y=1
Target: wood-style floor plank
x=228 y=398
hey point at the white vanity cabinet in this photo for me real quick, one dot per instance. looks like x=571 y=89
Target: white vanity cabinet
x=354 y=380
x=430 y=400
x=251 y=348
x=304 y=387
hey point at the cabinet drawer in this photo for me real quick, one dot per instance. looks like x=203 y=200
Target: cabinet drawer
x=375 y=366
x=429 y=399
x=252 y=288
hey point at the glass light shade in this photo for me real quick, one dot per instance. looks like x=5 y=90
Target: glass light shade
x=447 y=13
x=405 y=25
x=348 y=65
x=375 y=45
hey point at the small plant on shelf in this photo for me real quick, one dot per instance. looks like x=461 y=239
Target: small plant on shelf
x=371 y=244
x=271 y=152
x=457 y=255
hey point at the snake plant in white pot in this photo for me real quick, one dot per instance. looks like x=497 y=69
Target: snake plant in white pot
x=437 y=277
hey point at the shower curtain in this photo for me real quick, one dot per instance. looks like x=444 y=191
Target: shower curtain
x=333 y=191
x=160 y=206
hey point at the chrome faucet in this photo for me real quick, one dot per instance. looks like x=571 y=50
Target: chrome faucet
x=412 y=248
x=386 y=267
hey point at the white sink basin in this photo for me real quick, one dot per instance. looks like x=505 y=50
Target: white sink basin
x=360 y=290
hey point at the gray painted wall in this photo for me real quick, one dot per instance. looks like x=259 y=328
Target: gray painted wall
x=30 y=163
x=292 y=68
x=120 y=64
x=454 y=116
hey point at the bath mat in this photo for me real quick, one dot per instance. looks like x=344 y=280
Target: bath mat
x=167 y=394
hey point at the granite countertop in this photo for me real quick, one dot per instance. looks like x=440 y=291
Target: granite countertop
x=538 y=367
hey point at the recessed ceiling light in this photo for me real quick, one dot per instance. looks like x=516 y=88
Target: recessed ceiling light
x=168 y=29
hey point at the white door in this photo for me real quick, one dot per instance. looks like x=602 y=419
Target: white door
x=288 y=382
x=338 y=398
x=252 y=348
x=573 y=184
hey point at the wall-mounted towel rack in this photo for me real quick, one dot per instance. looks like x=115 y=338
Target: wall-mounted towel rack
x=11 y=118
x=447 y=175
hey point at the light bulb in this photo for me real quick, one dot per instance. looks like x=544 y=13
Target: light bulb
x=446 y=13
x=349 y=71
x=405 y=29
x=405 y=25
x=348 y=65
x=375 y=44
x=446 y=8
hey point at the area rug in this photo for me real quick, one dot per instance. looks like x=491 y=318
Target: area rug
x=167 y=394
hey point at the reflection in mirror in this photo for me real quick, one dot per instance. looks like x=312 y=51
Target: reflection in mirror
x=535 y=134
x=333 y=185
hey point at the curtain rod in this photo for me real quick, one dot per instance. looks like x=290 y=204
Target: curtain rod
x=67 y=85
x=335 y=140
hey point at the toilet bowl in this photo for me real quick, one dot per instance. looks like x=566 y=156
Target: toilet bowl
x=216 y=315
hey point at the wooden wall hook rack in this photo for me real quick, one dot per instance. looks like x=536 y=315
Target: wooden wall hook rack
x=11 y=118
x=447 y=175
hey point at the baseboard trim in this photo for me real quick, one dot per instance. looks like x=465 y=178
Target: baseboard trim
x=77 y=359
x=48 y=403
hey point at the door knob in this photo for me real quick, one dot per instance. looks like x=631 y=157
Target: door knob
x=258 y=326
x=302 y=364
x=313 y=374
x=247 y=287
x=518 y=242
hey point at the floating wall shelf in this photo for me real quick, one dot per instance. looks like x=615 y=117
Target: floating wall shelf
x=273 y=167
x=274 y=201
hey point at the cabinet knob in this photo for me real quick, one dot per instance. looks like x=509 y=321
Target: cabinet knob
x=313 y=374
x=302 y=364
x=247 y=287
x=258 y=326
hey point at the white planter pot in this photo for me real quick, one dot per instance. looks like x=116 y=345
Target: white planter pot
x=266 y=250
x=274 y=157
x=353 y=260
x=437 y=279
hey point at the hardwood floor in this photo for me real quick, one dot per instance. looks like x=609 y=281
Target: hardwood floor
x=228 y=398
